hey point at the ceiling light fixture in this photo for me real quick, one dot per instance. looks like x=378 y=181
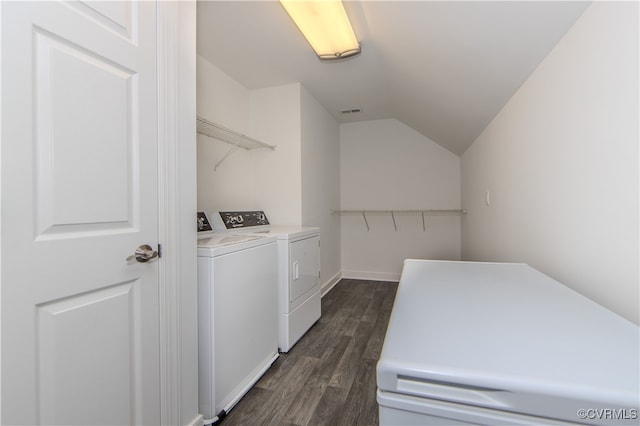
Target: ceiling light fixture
x=325 y=25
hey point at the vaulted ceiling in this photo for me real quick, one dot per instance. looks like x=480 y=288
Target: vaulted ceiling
x=444 y=68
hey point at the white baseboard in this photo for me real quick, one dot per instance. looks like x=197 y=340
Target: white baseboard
x=327 y=286
x=372 y=276
x=197 y=421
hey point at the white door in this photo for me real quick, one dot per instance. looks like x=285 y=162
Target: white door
x=79 y=195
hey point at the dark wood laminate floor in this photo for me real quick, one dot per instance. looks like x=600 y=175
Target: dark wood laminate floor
x=329 y=376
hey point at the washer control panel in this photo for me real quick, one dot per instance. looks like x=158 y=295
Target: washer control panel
x=243 y=220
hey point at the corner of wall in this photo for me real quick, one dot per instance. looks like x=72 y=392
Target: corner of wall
x=553 y=180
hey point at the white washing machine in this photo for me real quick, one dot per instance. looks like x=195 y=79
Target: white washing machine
x=237 y=317
x=298 y=270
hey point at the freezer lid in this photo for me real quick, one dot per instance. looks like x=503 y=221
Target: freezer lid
x=508 y=337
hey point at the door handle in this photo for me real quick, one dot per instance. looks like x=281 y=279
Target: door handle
x=296 y=270
x=144 y=253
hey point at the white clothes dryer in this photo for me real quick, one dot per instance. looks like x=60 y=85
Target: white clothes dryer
x=298 y=281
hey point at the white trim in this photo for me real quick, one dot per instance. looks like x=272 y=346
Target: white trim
x=371 y=276
x=169 y=308
x=327 y=286
x=1 y=209
x=177 y=212
x=197 y=421
x=185 y=201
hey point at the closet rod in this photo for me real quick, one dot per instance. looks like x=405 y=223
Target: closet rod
x=393 y=211
x=428 y=212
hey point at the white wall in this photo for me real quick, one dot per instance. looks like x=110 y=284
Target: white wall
x=321 y=183
x=222 y=100
x=277 y=183
x=561 y=164
x=250 y=180
x=385 y=164
x=297 y=184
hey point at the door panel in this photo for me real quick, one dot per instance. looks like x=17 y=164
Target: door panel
x=305 y=264
x=79 y=194
x=114 y=15
x=84 y=142
x=92 y=334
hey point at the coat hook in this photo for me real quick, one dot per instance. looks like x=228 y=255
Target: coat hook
x=364 y=216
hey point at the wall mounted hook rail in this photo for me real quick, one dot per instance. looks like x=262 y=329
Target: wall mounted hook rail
x=423 y=213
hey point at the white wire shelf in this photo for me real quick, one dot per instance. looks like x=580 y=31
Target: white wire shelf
x=221 y=133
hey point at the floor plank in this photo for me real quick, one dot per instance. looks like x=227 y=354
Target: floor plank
x=328 y=377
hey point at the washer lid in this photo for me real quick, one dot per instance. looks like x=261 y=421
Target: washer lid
x=225 y=239
x=508 y=337
x=291 y=232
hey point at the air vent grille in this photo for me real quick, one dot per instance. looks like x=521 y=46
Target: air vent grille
x=350 y=110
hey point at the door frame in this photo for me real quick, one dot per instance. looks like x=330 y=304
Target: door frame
x=177 y=212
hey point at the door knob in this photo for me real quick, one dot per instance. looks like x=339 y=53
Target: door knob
x=144 y=253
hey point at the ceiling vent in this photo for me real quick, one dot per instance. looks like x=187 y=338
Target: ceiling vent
x=350 y=111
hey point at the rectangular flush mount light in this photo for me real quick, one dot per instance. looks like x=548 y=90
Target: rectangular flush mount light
x=325 y=25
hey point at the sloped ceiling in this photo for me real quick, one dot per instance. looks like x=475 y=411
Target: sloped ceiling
x=444 y=68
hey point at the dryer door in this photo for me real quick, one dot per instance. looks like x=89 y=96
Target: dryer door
x=304 y=264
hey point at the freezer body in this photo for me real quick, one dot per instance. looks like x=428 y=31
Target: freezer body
x=507 y=343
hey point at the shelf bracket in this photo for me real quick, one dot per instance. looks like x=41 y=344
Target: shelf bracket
x=231 y=150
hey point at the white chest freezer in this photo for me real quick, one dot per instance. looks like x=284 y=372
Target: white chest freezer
x=488 y=343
